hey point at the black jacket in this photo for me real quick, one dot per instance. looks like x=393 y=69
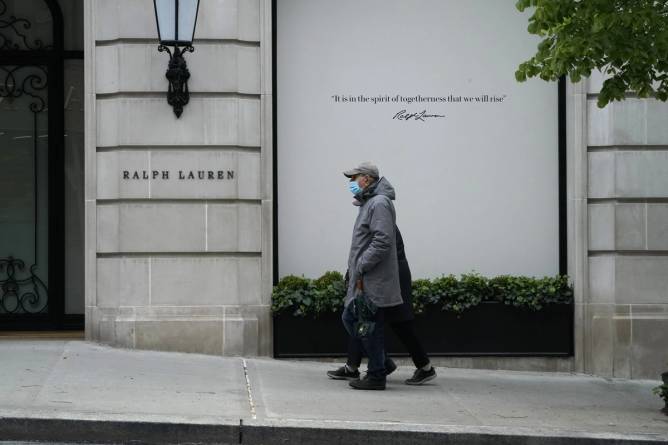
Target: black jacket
x=404 y=311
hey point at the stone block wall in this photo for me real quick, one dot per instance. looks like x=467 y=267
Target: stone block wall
x=622 y=180
x=179 y=264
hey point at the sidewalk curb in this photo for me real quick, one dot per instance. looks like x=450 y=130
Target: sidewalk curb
x=280 y=432
x=114 y=431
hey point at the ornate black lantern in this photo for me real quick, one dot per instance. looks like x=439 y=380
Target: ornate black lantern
x=176 y=20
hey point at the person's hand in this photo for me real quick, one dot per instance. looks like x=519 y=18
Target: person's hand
x=358 y=284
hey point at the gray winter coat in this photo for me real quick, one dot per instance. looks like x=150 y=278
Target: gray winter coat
x=373 y=251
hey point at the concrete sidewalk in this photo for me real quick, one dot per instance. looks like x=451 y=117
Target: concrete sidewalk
x=79 y=391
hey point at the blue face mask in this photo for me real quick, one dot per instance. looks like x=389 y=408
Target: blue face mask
x=354 y=187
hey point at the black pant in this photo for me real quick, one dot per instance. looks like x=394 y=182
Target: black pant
x=406 y=333
x=372 y=344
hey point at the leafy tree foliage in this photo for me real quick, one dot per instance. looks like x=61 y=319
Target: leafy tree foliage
x=627 y=40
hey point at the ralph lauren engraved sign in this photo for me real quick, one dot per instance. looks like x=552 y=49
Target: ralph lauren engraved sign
x=209 y=175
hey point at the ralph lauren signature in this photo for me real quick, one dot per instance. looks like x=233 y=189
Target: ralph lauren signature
x=403 y=115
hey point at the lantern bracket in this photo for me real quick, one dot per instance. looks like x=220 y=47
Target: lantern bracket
x=177 y=74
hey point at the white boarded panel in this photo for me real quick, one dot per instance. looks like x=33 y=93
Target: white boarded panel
x=476 y=189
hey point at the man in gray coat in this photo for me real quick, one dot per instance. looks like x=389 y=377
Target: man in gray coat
x=373 y=266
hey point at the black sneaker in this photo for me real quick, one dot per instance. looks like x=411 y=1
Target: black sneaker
x=368 y=383
x=343 y=373
x=390 y=366
x=420 y=376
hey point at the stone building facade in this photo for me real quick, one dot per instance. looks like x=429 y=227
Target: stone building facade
x=174 y=262
x=186 y=263
x=618 y=220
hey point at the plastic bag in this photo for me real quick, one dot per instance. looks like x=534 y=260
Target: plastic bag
x=365 y=312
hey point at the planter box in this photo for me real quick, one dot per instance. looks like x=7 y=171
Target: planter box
x=489 y=329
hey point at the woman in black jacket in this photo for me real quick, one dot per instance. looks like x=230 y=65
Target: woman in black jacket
x=400 y=319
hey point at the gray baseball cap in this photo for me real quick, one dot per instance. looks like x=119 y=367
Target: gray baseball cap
x=365 y=168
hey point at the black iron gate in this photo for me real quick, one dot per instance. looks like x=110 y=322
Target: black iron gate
x=32 y=271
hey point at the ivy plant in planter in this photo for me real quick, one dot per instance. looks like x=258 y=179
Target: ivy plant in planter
x=293 y=293
x=662 y=391
x=457 y=295
x=307 y=297
x=530 y=292
x=469 y=314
